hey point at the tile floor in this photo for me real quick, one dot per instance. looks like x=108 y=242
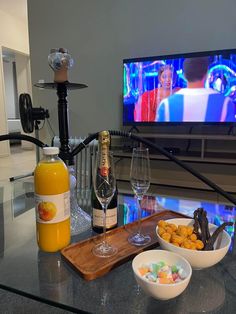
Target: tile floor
x=20 y=162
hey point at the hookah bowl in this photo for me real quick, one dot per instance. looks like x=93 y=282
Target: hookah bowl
x=60 y=61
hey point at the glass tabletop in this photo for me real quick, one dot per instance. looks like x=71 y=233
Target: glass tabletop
x=26 y=270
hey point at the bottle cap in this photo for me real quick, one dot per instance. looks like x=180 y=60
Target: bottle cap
x=50 y=150
x=104 y=137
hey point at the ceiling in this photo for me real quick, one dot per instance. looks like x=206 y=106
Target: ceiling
x=15 y=8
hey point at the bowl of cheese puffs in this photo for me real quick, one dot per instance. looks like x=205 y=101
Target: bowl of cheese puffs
x=178 y=235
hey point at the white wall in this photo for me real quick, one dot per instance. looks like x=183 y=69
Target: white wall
x=99 y=34
x=13 y=35
x=14 y=32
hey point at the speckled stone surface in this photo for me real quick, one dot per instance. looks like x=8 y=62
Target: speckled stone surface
x=11 y=303
x=46 y=276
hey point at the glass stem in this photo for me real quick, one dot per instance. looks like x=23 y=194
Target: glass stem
x=139 y=214
x=104 y=207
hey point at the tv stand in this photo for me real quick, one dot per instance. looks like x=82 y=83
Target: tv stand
x=214 y=161
x=173 y=150
x=203 y=138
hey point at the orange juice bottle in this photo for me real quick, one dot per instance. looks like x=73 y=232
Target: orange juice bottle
x=52 y=201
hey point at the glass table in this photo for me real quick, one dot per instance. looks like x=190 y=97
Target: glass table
x=46 y=277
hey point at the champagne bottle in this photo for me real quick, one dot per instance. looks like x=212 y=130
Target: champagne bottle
x=97 y=211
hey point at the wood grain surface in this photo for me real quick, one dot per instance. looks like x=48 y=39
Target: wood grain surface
x=79 y=255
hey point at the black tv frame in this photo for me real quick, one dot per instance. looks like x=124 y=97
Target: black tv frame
x=224 y=52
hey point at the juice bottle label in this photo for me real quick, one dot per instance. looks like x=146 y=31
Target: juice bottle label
x=111 y=217
x=52 y=208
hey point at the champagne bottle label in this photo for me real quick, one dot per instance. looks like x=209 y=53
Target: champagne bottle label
x=52 y=208
x=111 y=217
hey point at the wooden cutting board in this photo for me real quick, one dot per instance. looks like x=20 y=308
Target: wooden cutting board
x=80 y=256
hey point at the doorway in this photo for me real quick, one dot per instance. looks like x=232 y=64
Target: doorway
x=16 y=78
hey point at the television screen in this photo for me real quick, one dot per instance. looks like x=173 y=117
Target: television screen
x=193 y=88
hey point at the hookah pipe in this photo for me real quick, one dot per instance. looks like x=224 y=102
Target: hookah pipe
x=161 y=150
x=164 y=152
x=60 y=61
x=6 y=137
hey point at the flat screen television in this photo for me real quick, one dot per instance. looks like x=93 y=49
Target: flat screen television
x=195 y=88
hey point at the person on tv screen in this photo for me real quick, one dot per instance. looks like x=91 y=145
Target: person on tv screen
x=196 y=103
x=150 y=100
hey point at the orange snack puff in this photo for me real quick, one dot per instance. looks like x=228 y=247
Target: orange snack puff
x=162 y=223
x=177 y=239
x=161 y=230
x=199 y=245
x=193 y=237
x=169 y=229
x=175 y=243
x=166 y=236
x=182 y=231
x=193 y=246
x=180 y=236
x=187 y=244
x=189 y=230
x=173 y=227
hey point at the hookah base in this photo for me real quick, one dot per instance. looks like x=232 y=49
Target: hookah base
x=80 y=221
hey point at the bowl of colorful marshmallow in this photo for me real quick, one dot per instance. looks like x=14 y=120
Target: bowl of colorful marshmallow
x=161 y=274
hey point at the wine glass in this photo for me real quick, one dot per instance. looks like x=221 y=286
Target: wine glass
x=104 y=184
x=140 y=182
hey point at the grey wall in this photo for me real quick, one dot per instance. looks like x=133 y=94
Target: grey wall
x=100 y=33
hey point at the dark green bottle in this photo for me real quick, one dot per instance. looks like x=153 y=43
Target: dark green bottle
x=97 y=211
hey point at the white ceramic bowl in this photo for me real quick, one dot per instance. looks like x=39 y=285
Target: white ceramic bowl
x=198 y=259
x=156 y=290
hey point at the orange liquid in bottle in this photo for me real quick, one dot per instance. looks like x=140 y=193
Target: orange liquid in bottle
x=52 y=178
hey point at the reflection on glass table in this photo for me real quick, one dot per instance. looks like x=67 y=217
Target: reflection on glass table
x=48 y=278
x=23 y=197
x=217 y=213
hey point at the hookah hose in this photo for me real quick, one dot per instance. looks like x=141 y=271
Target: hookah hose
x=164 y=152
x=22 y=137
x=161 y=150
